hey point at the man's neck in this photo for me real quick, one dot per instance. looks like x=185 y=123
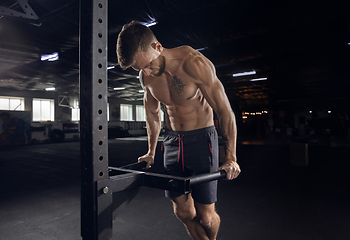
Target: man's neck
x=170 y=61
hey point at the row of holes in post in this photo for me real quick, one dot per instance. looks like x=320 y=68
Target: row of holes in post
x=100 y=127
x=100 y=81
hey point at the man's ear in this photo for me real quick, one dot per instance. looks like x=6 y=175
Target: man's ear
x=157 y=46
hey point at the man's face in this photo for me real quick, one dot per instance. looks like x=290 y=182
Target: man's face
x=150 y=62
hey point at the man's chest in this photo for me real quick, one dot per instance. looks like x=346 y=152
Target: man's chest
x=177 y=89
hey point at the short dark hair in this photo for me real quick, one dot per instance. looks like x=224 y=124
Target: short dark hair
x=133 y=37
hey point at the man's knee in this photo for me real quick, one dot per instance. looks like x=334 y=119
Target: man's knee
x=184 y=214
x=207 y=215
x=207 y=220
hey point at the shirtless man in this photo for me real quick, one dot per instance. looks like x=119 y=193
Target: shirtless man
x=185 y=82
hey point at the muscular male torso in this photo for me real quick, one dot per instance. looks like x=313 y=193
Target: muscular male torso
x=184 y=104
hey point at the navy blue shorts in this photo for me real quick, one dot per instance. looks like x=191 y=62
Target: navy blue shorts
x=192 y=153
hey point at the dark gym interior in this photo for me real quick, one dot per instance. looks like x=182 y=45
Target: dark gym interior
x=293 y=122
x=40 y=197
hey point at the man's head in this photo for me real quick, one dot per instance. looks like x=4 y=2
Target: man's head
x=133 y=38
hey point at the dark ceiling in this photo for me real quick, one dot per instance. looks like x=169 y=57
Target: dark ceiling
x=301 y=47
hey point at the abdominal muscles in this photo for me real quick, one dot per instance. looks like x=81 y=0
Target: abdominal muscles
x=194 y=114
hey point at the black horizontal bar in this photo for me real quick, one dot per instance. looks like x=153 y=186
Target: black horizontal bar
x=135 y=166
x=126 y=181
x=167 y=182
x=206 y=177
x=156 y=180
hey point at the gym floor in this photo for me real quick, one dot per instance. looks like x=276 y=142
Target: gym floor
x=40 y=195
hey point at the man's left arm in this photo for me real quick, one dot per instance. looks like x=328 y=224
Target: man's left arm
x=204 y=72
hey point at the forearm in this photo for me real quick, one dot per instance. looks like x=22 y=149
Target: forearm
x=153 y=123
x=228 y=128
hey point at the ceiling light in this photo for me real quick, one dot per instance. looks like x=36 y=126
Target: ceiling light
x=329 y=111
x=151 y=24
x=258 y=79
x=50 y=57
x=201 y=49
x=110 y=67
x=50 y=89
x=243 y=74
x=119 y=88
x=141 y=91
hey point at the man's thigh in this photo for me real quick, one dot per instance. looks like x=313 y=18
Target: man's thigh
x=184 y=206
x=185 y=203
x=205 y=211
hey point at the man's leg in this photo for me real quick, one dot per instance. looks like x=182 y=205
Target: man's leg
x=201 y=224
x=208 y=218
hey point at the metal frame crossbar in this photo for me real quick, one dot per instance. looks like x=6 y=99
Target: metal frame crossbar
x=163 y=181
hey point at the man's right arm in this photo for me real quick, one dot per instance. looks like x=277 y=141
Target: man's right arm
x=153 y=123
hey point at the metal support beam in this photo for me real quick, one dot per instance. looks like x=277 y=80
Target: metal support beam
x=28 y=12
x=29 y=15
x=96 y=217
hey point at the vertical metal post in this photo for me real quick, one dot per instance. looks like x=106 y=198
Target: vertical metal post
x=95 y=203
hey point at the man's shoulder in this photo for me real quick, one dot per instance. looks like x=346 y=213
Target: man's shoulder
x=186 y=54
x=184 y=48
x=194 y=59
x=183 y=51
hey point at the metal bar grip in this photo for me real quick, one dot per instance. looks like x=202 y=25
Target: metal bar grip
x=135 y=166
x=207 y=177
